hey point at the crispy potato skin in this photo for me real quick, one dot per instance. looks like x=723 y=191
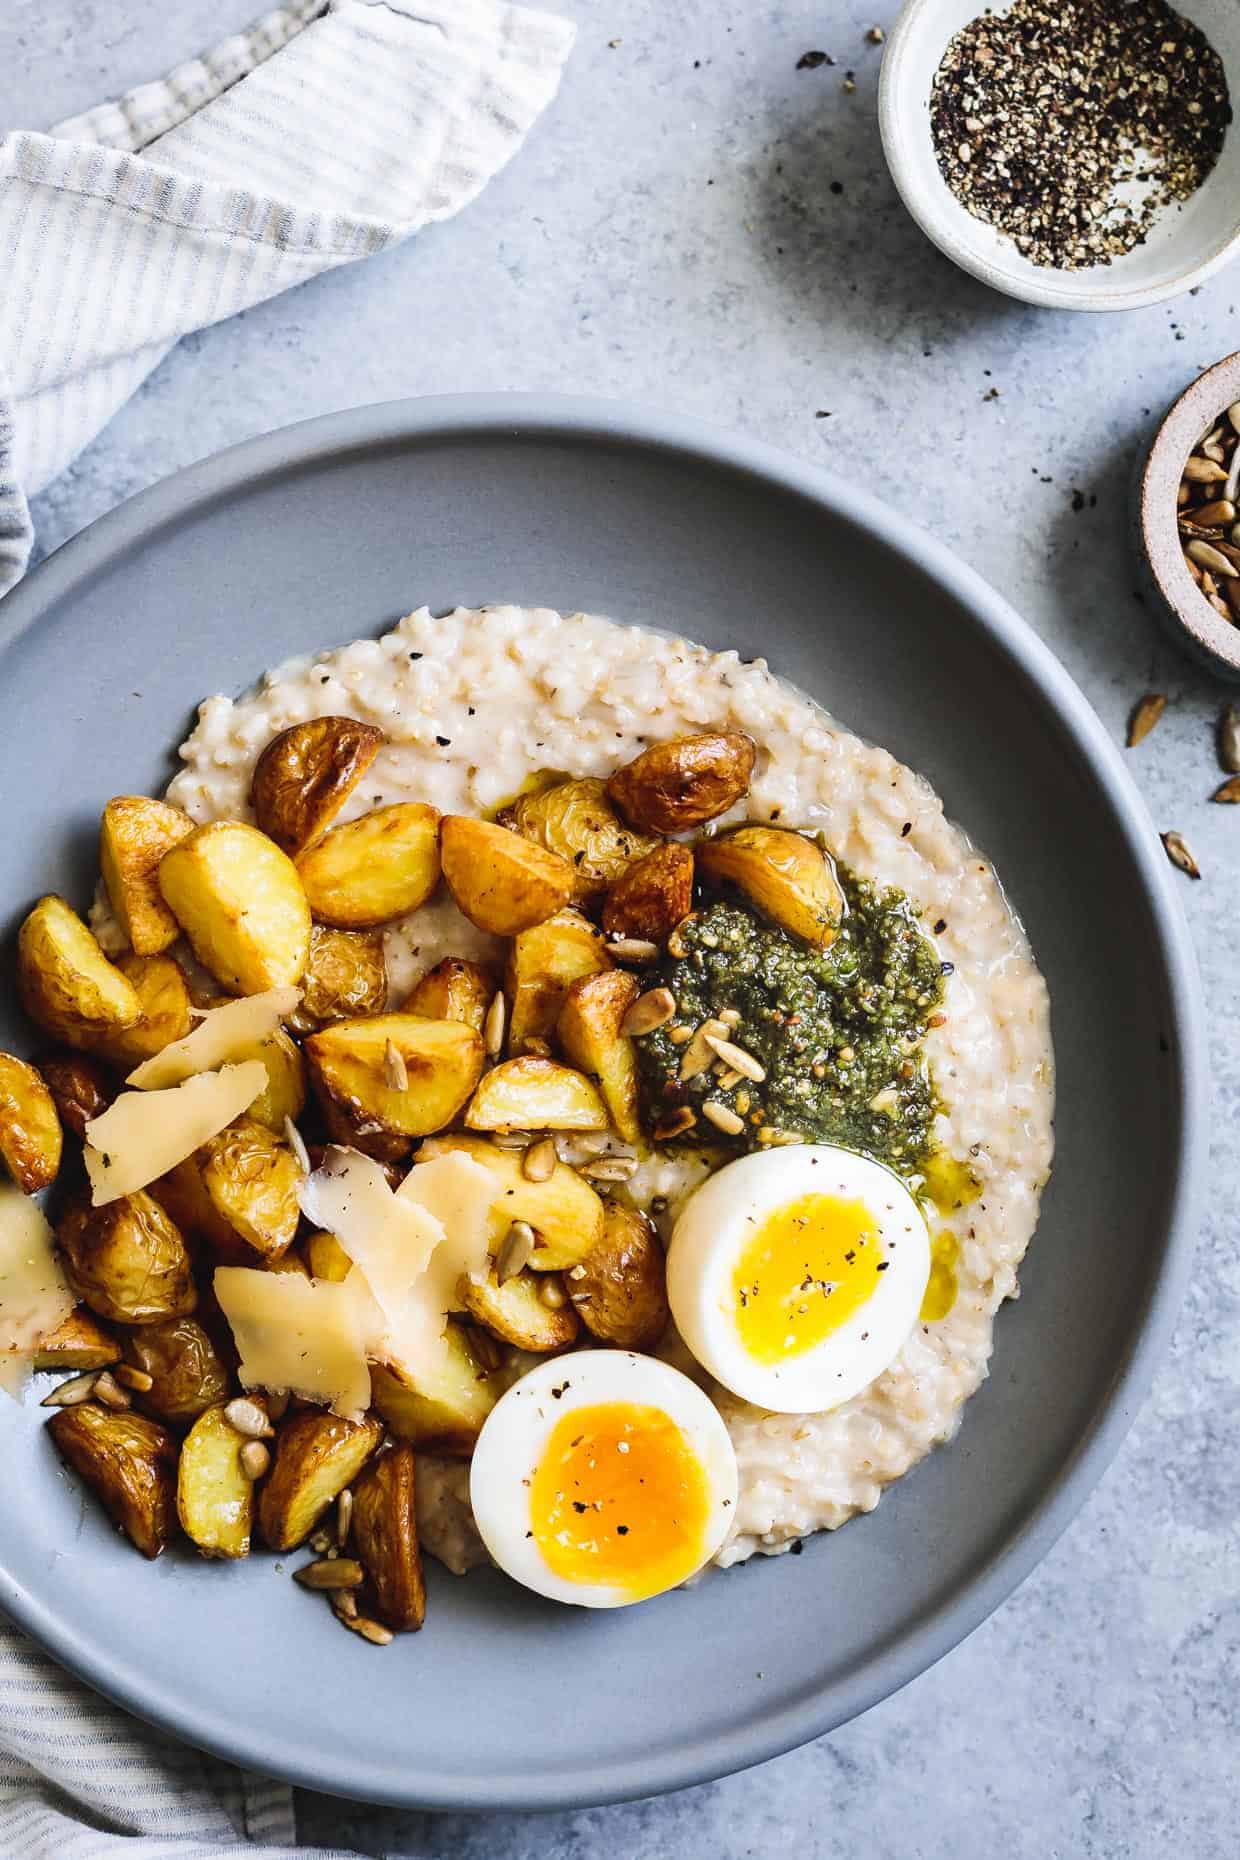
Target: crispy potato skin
x=81 y=1089
x=589 y=1033
x=80 y=1342
x=382 y=866
x=252 y=1180
x=64 y=980
x=345 y=979
x=30 y=1136
x=535 y=1094
x=306 y=774
x=134 y=835
x=515 y=1313
x=188 y=1374
x=454 y=990
x=650 y=899
x=564 y=1210
x=285 y=1092
x=240 y=902
x=502 y=882
x=784 y=874
x=128 y=1260
x=385 y=1536
x=129 y=1462
x=215 y=1500
x=317 y=1455
x=673 y=787
x=443 y=1062
x=444 y=1415
x=576 y=820
x=622 y=1296
x=160 y=985
x=354 y=1130
x=183 y=1196
x=542 y=962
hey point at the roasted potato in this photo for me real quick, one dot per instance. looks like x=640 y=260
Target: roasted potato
x=454 y=990
x=382 y=866
x=127 y=1260
x=80 y=1342
x=188 y=1374
x=159 y=983
x=445 y=1412
x=385 y=1536
x=576 y=820
x=673 y=787
x=285 y=1092
x=81 y=1089
x=327 y=1259
x=64 y=980
x=564 y=1211
x=252 y=1179
x=215 y=1499
x=502 y=882
x=589 y=1034
x=291 y=1261
x=30 y=1136
x=317 y=1455
x=240 y=902
x=306 y=774
x=515 y=1312
x=535 y=1094
x=620 y=1294
x=129 y=1463
x=182 y=1194
x=345 y=979
x=789 y=878
x=650 y=899
x=541 y=964
x=354 y=1130
x=440 y=1062
x=135 y=834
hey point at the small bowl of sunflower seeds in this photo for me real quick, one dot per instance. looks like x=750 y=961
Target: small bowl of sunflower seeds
x=1188 y=509
x=1073 y=155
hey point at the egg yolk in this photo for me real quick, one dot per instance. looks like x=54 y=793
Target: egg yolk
x=942 y=1287
x=804 y=1271
x=620 y=1498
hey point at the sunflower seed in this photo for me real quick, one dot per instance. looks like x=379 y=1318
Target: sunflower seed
x=511 y=1139
x=344 y=1517
x=248 y=1419
x=395 y=1071
x=131 y=1378
x=633 y=949
x=1232 y=486
x=254 y=1459
x=1211 y=449
x=1182 y=495
x=109 y=1391
x=320 y=1543
x=1216 y=515
x=1228 y=790
x=1180 y=853
x=75 y=1390
x=373 y=1631
x=653 y=1009
x=611 y=1169
x=539 y=1161
x=1206 y=555
x=674 y=1124
x=1233 y=414
x=680 y=1036
x=1209 y=586
x=723 y=1117
x=551 y=1293
x=1145 y=716
x=737 y=1058
x=1204 y=471
x=676 y=942
x=341 y=1572
x=1229 y=740
x=344 y=1604
x=731 y=1017
x=514 y=1253
x=697 y=1057
x=1219 y=605
x=1192 y=568
x=494 y=1024
x=297 y=1143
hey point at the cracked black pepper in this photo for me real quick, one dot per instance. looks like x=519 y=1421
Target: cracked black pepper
x=1070 y=125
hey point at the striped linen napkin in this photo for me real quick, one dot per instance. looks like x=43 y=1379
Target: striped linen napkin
x=330 y=131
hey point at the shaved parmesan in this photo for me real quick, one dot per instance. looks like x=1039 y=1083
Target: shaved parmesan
x=466 y=1201
x=34 y=1298
x=304 y=1335
x=223 y=1033
x=144 y=1134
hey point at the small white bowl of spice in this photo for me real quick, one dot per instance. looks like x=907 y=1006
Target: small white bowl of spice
x=1072 y=153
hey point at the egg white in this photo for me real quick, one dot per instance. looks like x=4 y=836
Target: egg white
x=717 y=1223
x=514 y=1438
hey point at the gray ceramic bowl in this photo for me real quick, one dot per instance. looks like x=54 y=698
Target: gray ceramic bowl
x=313 y=535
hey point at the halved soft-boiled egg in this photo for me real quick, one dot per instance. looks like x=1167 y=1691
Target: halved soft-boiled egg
x=603 y=1478
x=796 y=1274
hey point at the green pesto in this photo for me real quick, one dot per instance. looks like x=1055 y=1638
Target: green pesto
x=833 y=1028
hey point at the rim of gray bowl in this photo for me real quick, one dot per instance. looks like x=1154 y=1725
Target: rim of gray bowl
x=583 y=419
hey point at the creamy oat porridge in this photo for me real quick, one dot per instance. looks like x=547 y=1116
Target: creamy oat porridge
x=473 y=706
